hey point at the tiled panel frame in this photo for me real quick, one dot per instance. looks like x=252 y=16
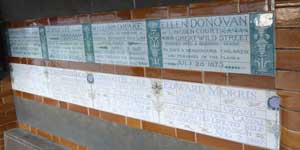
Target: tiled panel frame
x=283 y=8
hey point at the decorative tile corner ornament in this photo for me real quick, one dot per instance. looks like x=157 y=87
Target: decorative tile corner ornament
x=241 y=43
x=262 y=44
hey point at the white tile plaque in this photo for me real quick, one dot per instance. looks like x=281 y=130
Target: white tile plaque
x=70 y=86
x=232 y=113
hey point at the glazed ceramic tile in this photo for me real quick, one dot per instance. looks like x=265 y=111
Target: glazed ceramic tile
x=122 y=43
x=23 y=77
x=124 y=95
x=237 y=114
x=154 y=43
x=220 y=43
x=175 y=43
x=66 y=43
x=241 y=43
x=25 y=42
x=70 y=86
x=262 y=43
x=232 y=113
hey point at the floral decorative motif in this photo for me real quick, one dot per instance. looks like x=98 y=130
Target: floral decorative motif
x=262 y=44
x=154 y=43
x=157 y=92
x=88 y=42
x=43 y=42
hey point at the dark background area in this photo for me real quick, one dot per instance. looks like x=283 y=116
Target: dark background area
x=12 y=10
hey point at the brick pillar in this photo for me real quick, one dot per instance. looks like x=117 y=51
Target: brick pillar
x=288 y=71
x=7 y=109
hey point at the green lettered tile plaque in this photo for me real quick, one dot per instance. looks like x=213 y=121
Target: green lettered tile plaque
x=65 y=43
x=122 y=43
x=233 y=43
x=242 y=43
x=25 y=42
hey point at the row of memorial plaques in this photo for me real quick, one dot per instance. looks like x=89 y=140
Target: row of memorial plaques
x=233 y=43
x=238 y=114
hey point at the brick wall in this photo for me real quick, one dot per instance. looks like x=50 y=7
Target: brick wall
x=7 y=109
x=287 y=80
x=288 y=75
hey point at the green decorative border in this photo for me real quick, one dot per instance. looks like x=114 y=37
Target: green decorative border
x=44 y=45
x=154 y=43
x=88 y=42
x=262 y=44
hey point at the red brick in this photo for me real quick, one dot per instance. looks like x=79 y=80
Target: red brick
x=110 y=16
x=288 y=16
x=215 y=78
x=50 y=101
x=161 y=129
x=150 y=13
x=186 y=135
x=37 y=22
x=178 y=11
x=290 y=119
x=134 y=123
x=252 y=81
x=153 y=72
x=253 y=6
x=78 y=108
x=182 y=75
x=288 y=80
x=218 y=143
x=288 y=38
x=290 y=138
x=128 y=70
x=219 y=7
x=113 y=117
x=289 y=99
x=249 y=147
x=288 y=59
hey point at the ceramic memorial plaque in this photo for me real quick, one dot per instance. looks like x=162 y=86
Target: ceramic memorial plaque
x=122 y=43
x=25 y=42
x=233 y=43
x=66 y=43
x=238 y=114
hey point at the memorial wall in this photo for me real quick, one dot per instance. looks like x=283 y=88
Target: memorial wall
x=234 y=43
x=241 y=43
x=238 y=114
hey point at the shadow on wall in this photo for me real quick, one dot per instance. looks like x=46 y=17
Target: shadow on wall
x=28 y=9
x=3 y=61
